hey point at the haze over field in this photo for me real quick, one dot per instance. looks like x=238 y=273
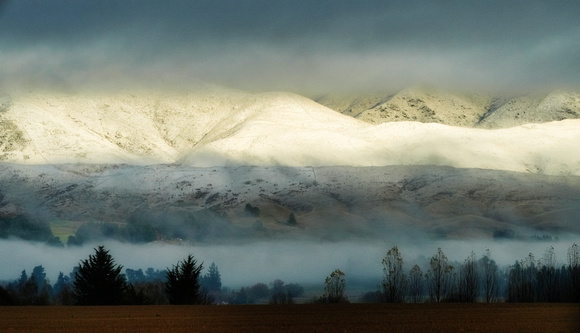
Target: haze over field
x=375 y=123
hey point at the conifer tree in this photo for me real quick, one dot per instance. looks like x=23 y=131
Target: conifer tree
x=212 y=280
x=99 y=281
x=182 y=286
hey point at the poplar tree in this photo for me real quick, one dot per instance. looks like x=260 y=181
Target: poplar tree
x=394 y=280
x=334 y=288
x=416 y=284
x=469 y=280
x=439 y=277
x=489 y=277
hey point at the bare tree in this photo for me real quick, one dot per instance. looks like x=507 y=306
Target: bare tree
x=529 y=278
x=416 y=284
x=489 y=277
x=334 y=288
x=394 y=282
x=547 y=279
x=439 y=277
x=522 y=280
x=574 y=256
x=468 y=280
x=515 y=278
x=574 y=271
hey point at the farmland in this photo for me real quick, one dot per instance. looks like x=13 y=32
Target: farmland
x=63 y=229
x=448 y=317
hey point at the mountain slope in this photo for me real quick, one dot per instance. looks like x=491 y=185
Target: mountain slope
x=190 y=163
x=217 y=127
x=329 y=202
x=533 y=109
x=430 y=105
x=279 y=129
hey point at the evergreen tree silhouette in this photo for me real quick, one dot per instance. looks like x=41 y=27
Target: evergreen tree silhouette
x=182 y=286
x=99 y=281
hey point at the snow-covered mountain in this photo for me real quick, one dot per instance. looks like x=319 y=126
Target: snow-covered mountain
x=465 y=166
x=432 y=105
x=533 y=109
x=219 y=127
x=420 y=104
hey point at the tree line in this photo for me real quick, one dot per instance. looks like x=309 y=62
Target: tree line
x=480 y=280
x=98 y=280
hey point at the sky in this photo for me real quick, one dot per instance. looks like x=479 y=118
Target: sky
x=308 y=47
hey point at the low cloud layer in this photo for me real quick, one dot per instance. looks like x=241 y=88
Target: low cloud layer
x=303 y=262
x=298 y=46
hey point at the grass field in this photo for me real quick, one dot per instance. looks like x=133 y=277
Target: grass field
x=449 y=317
x=62 y=229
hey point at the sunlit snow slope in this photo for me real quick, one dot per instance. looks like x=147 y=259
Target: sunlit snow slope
x=218 y=127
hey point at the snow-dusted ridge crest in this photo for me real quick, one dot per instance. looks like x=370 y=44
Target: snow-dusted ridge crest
x=220 y=127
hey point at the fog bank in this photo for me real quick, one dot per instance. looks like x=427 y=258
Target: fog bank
x=305 y=262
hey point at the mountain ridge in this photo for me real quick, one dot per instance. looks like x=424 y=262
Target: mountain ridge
x=465 y=109
x=217 y=126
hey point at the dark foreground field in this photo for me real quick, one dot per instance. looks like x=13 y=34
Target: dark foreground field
x=296 y=318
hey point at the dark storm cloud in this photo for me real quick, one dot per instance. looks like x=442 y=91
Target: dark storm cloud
x=291 y=45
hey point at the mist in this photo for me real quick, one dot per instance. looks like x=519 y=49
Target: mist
x=303 y=262
x=347 y=218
